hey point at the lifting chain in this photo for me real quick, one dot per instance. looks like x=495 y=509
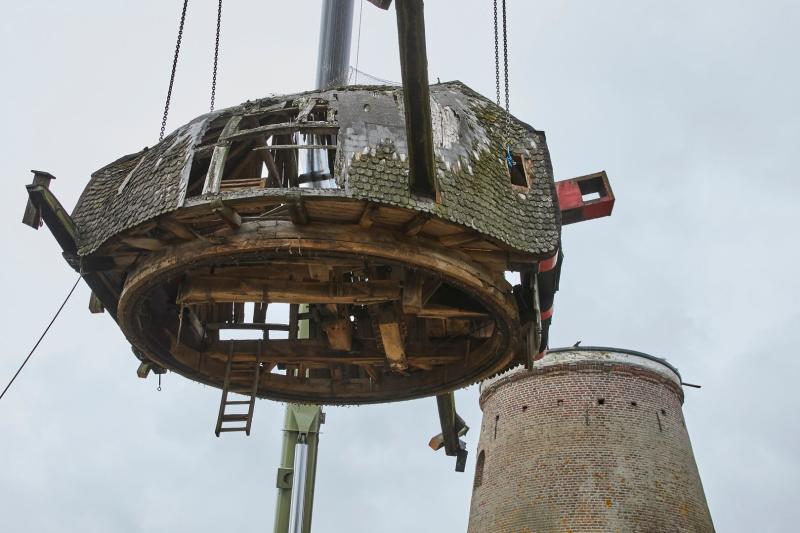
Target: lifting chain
x=507 y=129
x=216 y=56
x=174 y=67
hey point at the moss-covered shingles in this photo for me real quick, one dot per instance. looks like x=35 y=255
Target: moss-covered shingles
x=372 y=164
x=476 y=191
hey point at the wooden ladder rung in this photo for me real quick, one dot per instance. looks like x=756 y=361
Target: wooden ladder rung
x=235 y=418
x=227 y=430
x=238 y=402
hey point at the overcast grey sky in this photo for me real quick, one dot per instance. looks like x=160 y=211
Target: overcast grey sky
x=691 y=107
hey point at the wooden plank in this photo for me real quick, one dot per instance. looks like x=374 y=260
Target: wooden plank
x=284 y=128
x=218 y=159
x=392 y=339
x=296 y=147
x=200 y=289
x=339 y=333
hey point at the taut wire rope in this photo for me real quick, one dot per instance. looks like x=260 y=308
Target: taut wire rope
x=41 y=337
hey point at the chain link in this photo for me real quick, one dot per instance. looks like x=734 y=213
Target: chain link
x=505 y=66
x=496 y=56
x=174 y=68
x=216 y=56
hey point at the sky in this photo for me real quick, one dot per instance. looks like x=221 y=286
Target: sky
x=692 y=109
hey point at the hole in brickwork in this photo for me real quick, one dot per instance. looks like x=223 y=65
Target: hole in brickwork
x=560 y=402
x=634 y=404
x=664 y=412
x=601 y=401
x=479 y=470
x=524 y=407
x=496 y=420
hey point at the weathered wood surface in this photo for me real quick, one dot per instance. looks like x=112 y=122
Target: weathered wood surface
x=207 y=289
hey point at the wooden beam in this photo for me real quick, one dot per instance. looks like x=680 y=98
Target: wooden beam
x=220 y=156
x=392 y=339
x=297 y=210
x=143 y=243
x=247 y=326
x=284 y=128
x=443 y=311
x=262 y=148
x=95 y=305
x=429 y=288
x=55 y=216
x=414 y=226
x=412 y=292
x=227 y=214
x=32 y=216
x=367 y=218
x=293 y=352
x=207 y=288
x=458 y=239
x=297 y=147
x=416 y=97
x=260 y=312
x=383 y=4
x=176 y=228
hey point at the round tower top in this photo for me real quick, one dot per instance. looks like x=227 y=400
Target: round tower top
x=574 y=356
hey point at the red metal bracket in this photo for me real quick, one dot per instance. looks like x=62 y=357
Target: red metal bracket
x=585 y=198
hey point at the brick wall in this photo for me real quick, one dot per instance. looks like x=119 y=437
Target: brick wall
x=595 y=444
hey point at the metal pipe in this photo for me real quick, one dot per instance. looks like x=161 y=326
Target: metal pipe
x=299 y=487
x=335 y=32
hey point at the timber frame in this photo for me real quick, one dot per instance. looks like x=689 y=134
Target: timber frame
x=191 y=244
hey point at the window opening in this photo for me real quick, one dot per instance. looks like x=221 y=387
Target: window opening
x=479 y=470
x=517 y=172
x=282 y=147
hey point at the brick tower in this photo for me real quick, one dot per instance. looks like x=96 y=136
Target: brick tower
x=591 y=440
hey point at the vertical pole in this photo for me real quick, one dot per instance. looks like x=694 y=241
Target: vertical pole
x=335 y=34
x=333 y=68
x=283 y=506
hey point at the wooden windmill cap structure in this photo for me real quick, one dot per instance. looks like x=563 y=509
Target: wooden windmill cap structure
x=397 y=278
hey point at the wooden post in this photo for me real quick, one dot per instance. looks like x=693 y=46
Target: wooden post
x=33 y=216
x=416 y=97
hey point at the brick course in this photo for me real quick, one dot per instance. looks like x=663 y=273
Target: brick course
x=596 y=444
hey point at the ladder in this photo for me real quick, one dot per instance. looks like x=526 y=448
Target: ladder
x=241 y=377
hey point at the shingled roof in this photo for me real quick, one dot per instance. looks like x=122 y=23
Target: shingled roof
x=474 y=187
